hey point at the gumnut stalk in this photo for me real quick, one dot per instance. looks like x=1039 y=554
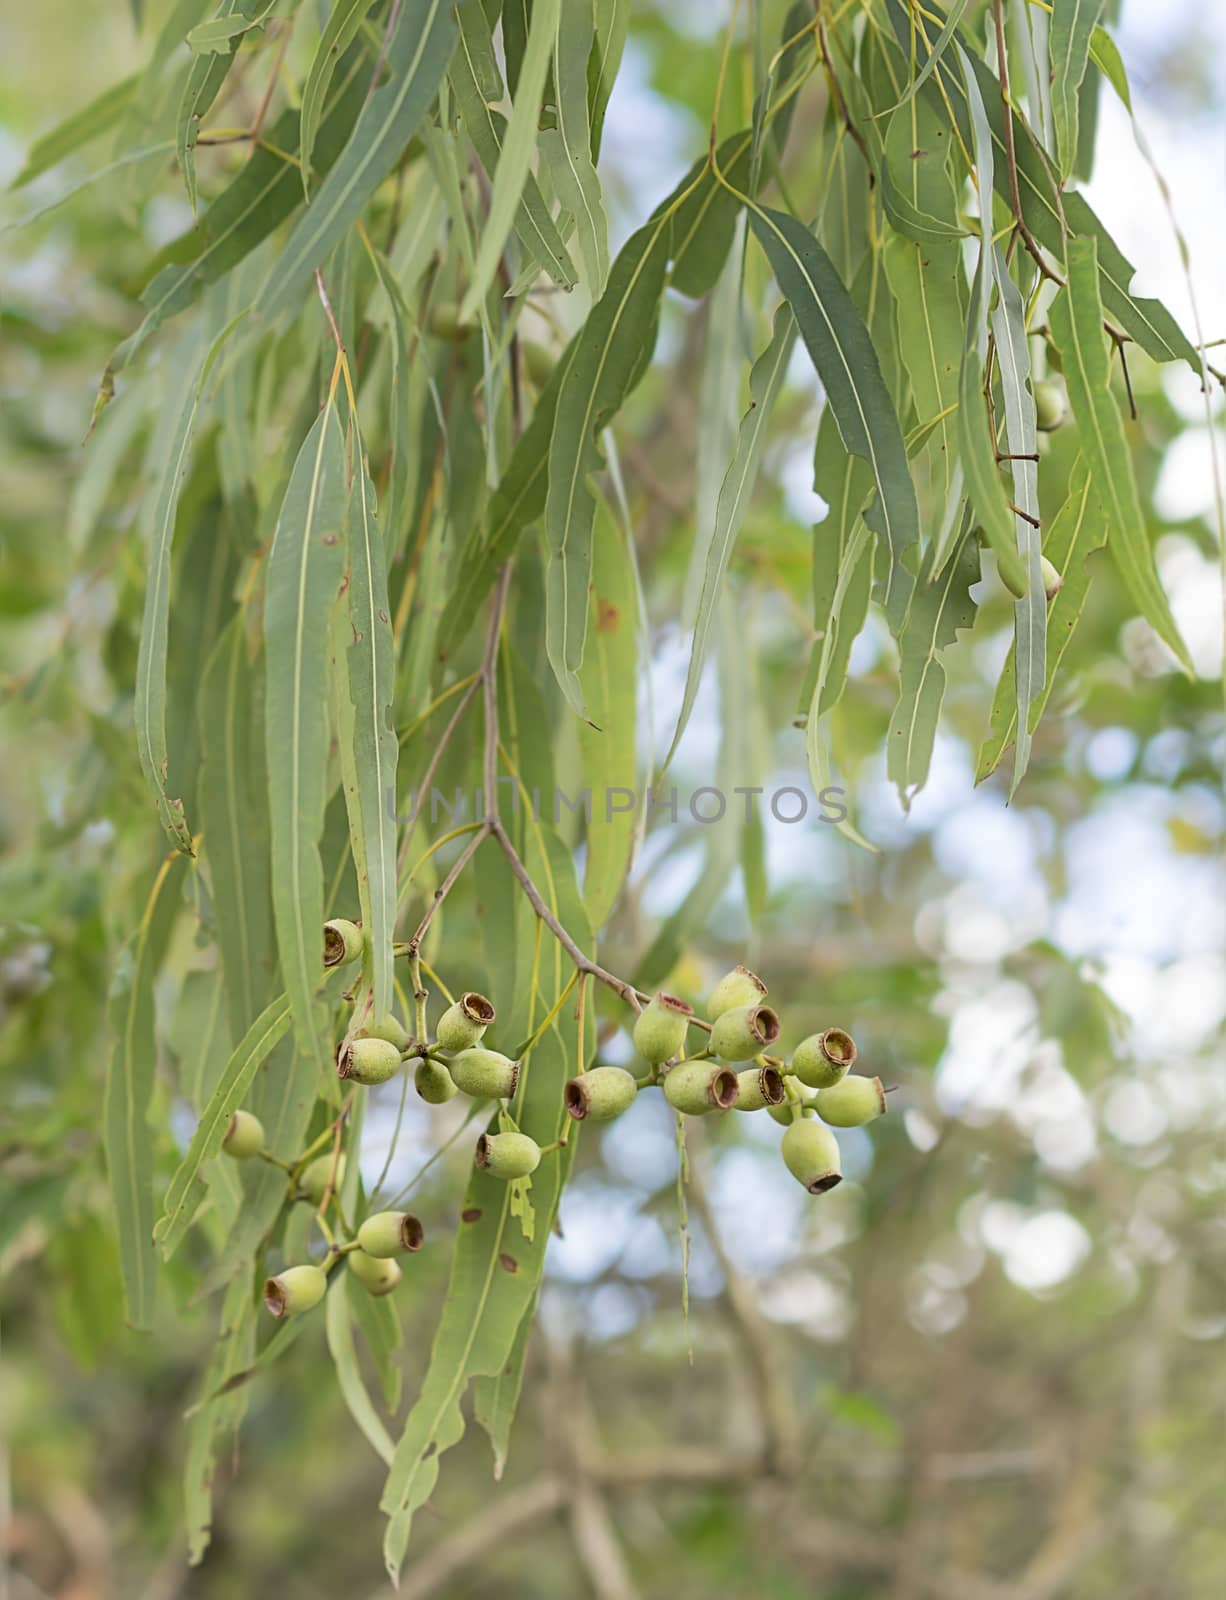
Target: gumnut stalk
x=434 y=1083
x=344 y=942
x=824 y=1059
x=484 y=1074
x=507 y=1155
x=852 y=1103
x=391 y=1233
x=1053 y=578
x=758 y=1088
x=1050 y=407
x=463 y=1024
x=368 y=1061
x=740 y=987
x=744 y=1032
x=391 y=1028
x=377 y=1276
x=313 y=1180
x=811 y=1155
x=294 y=1291
x=696 y=1087
x=659 y=1031
x=806 y=1101
x=244 y=1137
x=599 y=1095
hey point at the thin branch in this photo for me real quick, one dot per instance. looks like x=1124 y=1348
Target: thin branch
x=327 y=305
x=448 y=883
x=611 y=981
x=489 y=684
x=985 y=201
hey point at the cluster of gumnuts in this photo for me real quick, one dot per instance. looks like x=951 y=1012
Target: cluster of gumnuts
x=810 y=1094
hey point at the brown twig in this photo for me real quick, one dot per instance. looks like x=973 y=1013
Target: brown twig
x=327 y=305
x=1015 y=197
x=445 y=888
x=836 y=91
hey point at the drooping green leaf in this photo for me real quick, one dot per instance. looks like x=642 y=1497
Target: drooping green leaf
x=1105 y=54
x=379 y=1321
x=927 y=281
x=232 y=800
x=609 y=356
x=1076 y=319
x=765 y=382
x=471 y=69
x=150 y=701
x=518 y=148
x=1071 y=33
x=607 y=750
x=975 y=435
x=187 y=1187
x=612 y=24
x=338 y=1323
x=939 y=609
x=129 y=1088
x=67 y=137
x=220 y=34
x=204 y=80
x=1146 y=320
x=259 y=199
x=843 y=354
x=416 y=58
x=842 y=565
x=848 y=596
x=341 y=28
x=1029 y=612
x=568 y=148
x=233 y=1351
x=936 y=49
x=305 y=567
x=375 y=749
x=1079 y=529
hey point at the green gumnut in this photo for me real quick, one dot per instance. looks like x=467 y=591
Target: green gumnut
x=244 y=1136
x=758 y=1088
x=391 y=1233
x=377 y=1276
x=811 y=1155
x=313 y=1179
x=433 y=1082
x=344 y=941
x=463 y=1024
x=368 y=1061
x=744 y=1032
x=852 y=1103
x=507 y=1155
x=294 y=1291
x=391 y=1029
x=1050 y=406
x=696 y=1087
x=484 y=1074
x=599 y=1095
x=807 y=1100
x=444 y=323
x=538 y=362
x=1053 y=578
x=659 y=1031
x=823 y=1059
x=740 y=987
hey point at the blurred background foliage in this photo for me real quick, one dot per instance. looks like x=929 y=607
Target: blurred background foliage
x=991 y=1363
